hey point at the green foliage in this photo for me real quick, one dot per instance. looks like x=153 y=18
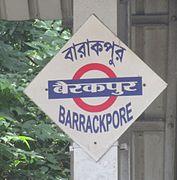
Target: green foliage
x=31 y=146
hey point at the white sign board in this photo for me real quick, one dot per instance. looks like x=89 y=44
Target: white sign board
x=95 y=88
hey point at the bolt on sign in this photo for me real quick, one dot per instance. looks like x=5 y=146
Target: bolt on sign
x=95 y=88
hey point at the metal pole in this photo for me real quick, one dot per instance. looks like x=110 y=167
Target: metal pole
x=83 y=166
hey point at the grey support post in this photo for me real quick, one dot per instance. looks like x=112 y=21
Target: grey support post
x=83 y=166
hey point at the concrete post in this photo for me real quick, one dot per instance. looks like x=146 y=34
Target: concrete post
x=83 y=166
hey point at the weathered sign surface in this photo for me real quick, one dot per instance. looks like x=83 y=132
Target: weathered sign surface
x=95 y=88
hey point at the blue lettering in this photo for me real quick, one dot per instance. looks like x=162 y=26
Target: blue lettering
x=122 y=115
x=129 y=110
x=89 y=125
x=115 y=119
x=62 y=115
x=68 y=119
x=96 y=123
x=108 y=120
x=75 y=121
x=82 y=123
x=95 y=127
x=102 y=124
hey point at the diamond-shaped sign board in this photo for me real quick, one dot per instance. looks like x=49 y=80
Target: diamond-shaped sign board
x=95 y=88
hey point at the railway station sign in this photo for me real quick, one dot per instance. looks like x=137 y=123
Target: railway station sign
x=95 y=88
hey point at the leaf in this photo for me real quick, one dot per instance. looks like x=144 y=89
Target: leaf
x=57 y=25
x=41 y=24
x=33 y=45
x=66 y=35
x=25 y=139
x=51 y=33
x=6 y=151
x=4 y=123
x=44 y=169
x=18 y=110
x=55 y=167
x=51 y=158
x=28 y=124
x=5 y=116
x=2 y=119
x=17 y=162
